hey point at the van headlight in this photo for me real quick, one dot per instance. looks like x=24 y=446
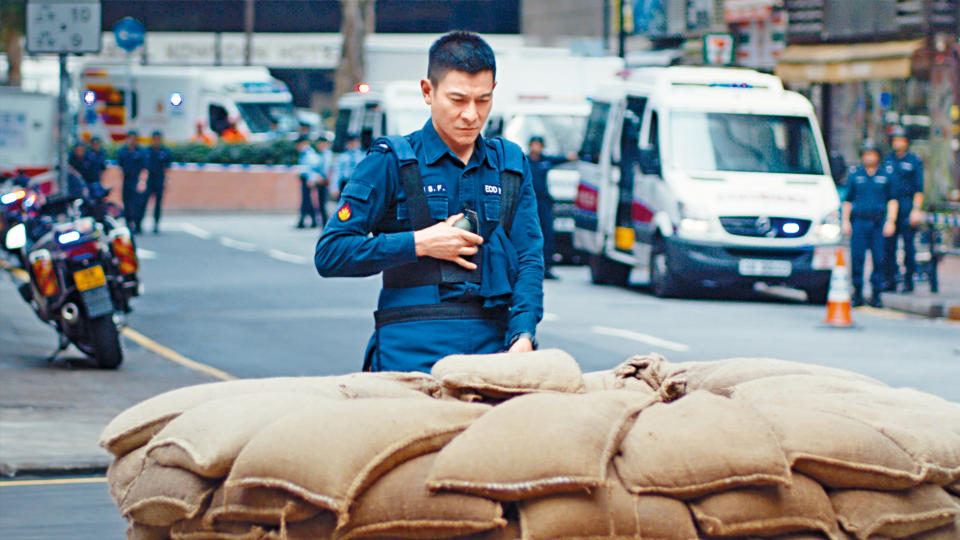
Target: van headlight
x=829 y=229
x=694 y=226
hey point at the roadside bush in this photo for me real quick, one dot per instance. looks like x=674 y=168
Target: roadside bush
x=278 y=152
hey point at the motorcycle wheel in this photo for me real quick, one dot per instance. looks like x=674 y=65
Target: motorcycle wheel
x=105 y=342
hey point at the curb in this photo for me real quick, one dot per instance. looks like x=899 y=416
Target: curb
x=946 y=308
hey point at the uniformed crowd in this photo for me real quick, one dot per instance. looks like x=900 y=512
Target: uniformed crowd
x=323 y=175
x=133 y=160
x=882 y=207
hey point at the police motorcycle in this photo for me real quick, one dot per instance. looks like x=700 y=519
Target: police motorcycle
x=12 y=197
x=83 y=270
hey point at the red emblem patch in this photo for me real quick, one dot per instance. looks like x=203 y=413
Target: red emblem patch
x=344 y=212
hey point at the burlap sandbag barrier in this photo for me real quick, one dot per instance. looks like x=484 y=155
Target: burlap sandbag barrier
x=328 y=453
x=270 y=506
x=123 y=471
x=830 y=448
x=700 y=444
x=161 y=496
x=207 y=438
x=609 y=511
x=538 y=444
x=802 y=505
x=195 y=529
x=137 y=531
x=894 y=514
x=399 y=505
x=597 y=381
x=500 y=376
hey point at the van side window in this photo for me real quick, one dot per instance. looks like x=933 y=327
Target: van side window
x=593 y=137
x=654 y=136
x=218 y=119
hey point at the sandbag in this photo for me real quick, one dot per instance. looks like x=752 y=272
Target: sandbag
x=160 y=496
x=700 y=444
x=207 y=438
x=831 y=449
x=135 y=426
x=195 y=529
x=925 y=426
x=123 y=471
x=399 y=505
x=270 y=506
x=609 y=511
x=721 y=376
x=801 y=506
x=947 y=532
x=538 y=444
x=894 y=514
x=954 y=488
x=137 y=531
x=317 y=528
x=597 y=381
x=331 y=452
x=503 y=375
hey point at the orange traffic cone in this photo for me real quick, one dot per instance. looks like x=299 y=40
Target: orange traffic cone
x=838 y=297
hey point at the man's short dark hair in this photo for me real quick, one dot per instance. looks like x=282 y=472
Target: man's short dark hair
x=461 y=51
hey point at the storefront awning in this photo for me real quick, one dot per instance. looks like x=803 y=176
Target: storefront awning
x=846 y=63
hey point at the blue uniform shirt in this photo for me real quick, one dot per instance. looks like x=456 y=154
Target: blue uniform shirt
x=869 y=194
x=158 y=160
x=131 y=162
x=539 y=168
x=373 y=202
x=908 y=178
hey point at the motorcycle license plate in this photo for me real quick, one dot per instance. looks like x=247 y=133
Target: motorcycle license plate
x=89 y=278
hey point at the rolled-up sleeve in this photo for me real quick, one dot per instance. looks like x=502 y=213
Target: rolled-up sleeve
x=348 y=246
x=526 y=307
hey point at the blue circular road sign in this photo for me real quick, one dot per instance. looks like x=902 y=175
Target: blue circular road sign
x=129 y=33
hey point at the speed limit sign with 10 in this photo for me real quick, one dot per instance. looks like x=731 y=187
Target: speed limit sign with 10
x=63 y=26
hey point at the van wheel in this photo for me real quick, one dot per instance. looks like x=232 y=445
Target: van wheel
x=662 y=283
x=604 y=271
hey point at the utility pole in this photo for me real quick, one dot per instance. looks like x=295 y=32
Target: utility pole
x=622 y=36
x=606 y=26
x=248 y=17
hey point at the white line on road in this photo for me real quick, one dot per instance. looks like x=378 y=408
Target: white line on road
x=193 y=230
x=146 y=254
x=642 y=338
x=237 y=244
x=287 y=257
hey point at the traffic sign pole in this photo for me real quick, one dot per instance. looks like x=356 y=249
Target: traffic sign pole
x=129 y=34
x=65 y=124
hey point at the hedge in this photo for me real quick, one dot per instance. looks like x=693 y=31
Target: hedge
x=277 y=152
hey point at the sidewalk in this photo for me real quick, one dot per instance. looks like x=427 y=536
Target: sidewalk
x=51 y=415
x=945 y=303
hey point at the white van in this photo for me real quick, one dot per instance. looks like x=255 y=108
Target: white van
x=172 y=99
x=396 y=109
x=708 y=177
x=28 y=131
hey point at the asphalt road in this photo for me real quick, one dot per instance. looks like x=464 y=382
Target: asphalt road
x=239 y=293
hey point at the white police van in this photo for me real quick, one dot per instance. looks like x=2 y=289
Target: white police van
x=708 y=177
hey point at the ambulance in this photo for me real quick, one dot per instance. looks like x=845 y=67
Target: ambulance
x=707 y=178
x=173 y=99
x=395 y=109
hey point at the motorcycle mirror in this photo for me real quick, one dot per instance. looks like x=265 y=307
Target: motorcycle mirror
x=16 y=237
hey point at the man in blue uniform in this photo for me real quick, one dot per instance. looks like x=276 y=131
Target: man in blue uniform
x=324 y=170
x=869 y=214
x=307 y=162
x=450 y=218
x=540 y=166
x=908 y=189
x=348 y=160
x=98 y=159
x=132 y=160
x=158 y=160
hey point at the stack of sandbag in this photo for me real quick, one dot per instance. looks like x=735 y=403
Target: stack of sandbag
x=525 y=446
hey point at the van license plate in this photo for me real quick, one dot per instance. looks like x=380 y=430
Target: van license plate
x=765 y=268
x=564 y=224
x=89 y=278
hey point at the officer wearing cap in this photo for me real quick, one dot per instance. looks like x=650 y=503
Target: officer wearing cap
x=158 y=160
x=98 y=159
x=450 y=218
x=348 y=160
x=132 y=161
x=324 y=169
x=869 y=214
x=540 y=166
x=908 y=189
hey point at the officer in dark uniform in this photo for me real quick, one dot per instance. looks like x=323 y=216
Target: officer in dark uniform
x=79 y=160
x=450 y=218
x=132 y=160
x=97 y=158
x=158 y=160
x=540 y=166
x=908 y=189
x=869 y=214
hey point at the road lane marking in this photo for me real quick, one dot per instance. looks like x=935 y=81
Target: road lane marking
x=174 y=356
x=146 y=254
x=54 y=482
x=287 y=257
x=237 y=244
x=193 y=230
x=642 y=338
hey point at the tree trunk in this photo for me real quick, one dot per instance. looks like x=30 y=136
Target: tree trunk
x=353 y=28
x=14 y=48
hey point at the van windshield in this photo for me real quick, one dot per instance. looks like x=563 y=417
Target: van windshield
x=259 y=115
x=709 y=141
x=562 y=134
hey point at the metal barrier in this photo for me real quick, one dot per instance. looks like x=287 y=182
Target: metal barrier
x=937 y=222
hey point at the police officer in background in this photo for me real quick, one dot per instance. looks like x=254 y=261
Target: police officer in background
x=158 y=160
x=324 y=170
x=132 y=160
x=307 y=161
x=97 y=158
x=540 y=166
x=80 y=161
x=450 y=218
x=348 y=160
x=908 y=189
x=869 y=214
